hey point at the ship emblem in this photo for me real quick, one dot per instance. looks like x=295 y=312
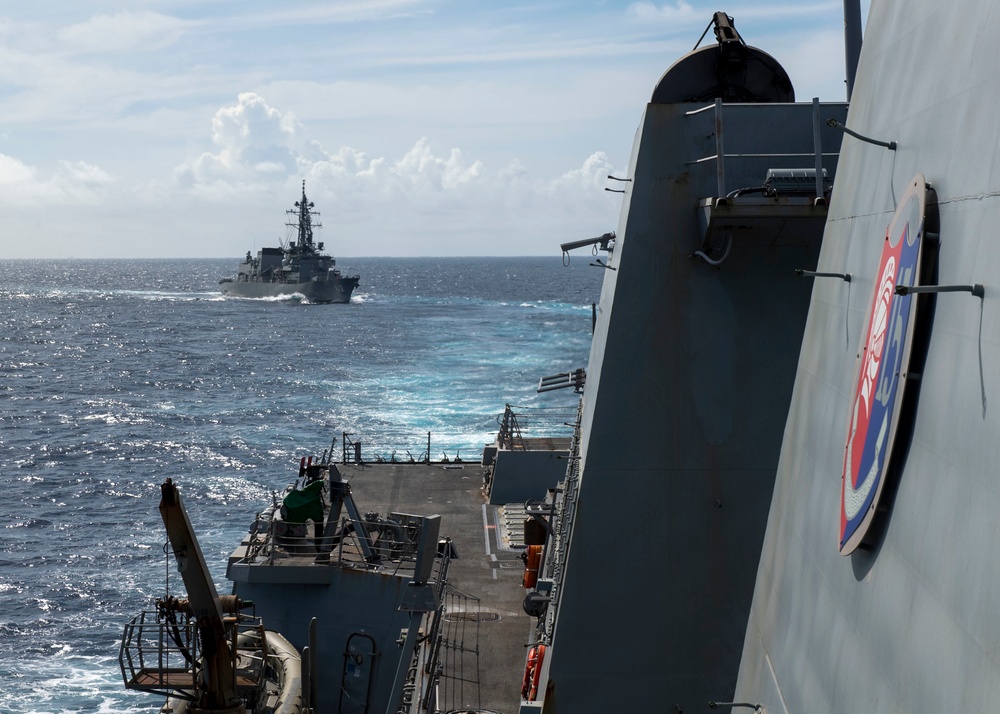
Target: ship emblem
x=882 y=364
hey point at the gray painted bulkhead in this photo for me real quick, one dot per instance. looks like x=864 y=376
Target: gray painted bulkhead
x=522 y=475
x=689 y=380
x=912 y=625
x=343 y=601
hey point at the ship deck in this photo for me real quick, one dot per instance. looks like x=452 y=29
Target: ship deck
x=488 y=566
x=545 y=443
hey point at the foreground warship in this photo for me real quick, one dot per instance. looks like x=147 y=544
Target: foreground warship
x=299 y=267
x=648 y=574
x=906 y=621
x=777 y=492
x=784 y=499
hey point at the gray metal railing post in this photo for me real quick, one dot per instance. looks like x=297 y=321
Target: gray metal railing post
x=720 y=155
x=313 y=666
x=818 y=148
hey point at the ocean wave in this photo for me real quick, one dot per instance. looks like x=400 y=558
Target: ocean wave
x=112 y=391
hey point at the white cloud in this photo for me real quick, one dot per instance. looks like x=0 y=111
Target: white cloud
x=420 y=167
x=251 y=122
x=272 y=16
x=424 y=201
x=252 y=139
x=592 y=175
x=420 y=128
x=82 y=174
x=73 y=183
x=14 y=173
x=680 y=12
x=126 y=30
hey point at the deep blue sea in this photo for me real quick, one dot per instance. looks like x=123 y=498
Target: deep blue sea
x=119 y=374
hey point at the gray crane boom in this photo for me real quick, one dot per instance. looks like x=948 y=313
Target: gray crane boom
x=219 y=691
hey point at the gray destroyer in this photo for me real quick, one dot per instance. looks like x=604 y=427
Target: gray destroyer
x=299 y=267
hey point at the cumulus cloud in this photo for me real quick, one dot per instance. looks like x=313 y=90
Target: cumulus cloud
x=253 y=141
x=425 y=200
x=258 y=148
x=13 y=172
x=420 y=166
x=592 y=175
x=73 y=183
x=256 y=142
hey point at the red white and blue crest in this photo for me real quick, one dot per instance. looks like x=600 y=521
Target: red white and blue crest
x=882 y=364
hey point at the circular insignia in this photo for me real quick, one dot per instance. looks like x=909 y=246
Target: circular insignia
x=882 y=362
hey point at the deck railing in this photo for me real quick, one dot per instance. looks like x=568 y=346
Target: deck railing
x=721 y=157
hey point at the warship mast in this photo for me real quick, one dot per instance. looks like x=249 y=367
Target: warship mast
x=304 y=221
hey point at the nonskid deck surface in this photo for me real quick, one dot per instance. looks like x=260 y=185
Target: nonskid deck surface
x=484 y=569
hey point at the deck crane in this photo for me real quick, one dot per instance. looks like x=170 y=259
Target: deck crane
x=200 y=651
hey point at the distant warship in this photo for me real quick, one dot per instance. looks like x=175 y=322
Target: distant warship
x=299 y=267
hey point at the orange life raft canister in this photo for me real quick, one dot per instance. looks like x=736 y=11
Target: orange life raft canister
x=533 y=559
x=532 y=670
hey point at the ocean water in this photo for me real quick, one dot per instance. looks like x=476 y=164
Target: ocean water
x=119 y=374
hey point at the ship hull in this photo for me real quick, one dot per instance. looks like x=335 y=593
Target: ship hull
x=908 y=622
x=338 y=290
x=298 y=267
x=693 y=381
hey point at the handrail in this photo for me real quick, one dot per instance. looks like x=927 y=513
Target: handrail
x=720 y=154
x=515 y=422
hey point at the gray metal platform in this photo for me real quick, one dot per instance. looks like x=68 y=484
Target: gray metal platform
x=485 y=570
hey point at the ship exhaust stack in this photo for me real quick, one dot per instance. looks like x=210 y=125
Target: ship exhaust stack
x=852 y=40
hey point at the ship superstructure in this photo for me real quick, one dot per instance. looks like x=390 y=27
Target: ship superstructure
x=379 y=610
x=298 y=267
x=780 y=495
x=648 y=570
x=397 y=614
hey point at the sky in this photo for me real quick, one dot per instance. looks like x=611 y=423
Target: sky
x=184 y=129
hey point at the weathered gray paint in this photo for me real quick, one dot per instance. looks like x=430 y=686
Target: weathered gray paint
x=688 y=383
x=913 y=625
